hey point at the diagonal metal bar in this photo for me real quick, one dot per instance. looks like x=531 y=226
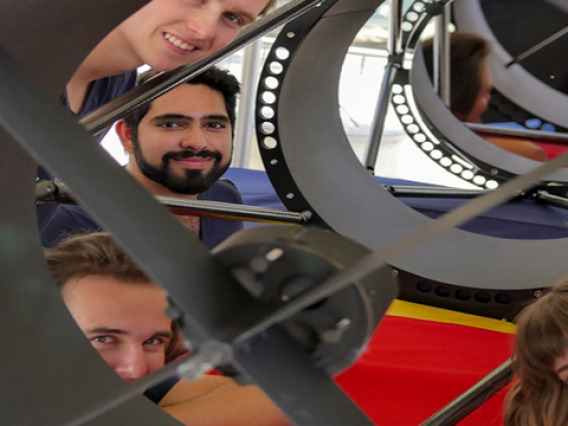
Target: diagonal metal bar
x=272 y=359
x=222 y=210
x=210 y=355
x=100 y=119
x=460 y=407
x=538 y=46
x=526 y=133
x=205 y=297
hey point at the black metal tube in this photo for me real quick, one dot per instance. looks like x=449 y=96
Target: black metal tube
x=538 y=47
x=234 y=211
x=379 y=118
x=539 y=134
x=432 y=191
x=100 y=119
x=473 y=398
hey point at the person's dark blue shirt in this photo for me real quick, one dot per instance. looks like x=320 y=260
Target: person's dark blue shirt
x=57 y=221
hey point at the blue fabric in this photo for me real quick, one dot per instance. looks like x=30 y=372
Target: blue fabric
x=56 y=221
x=99 y=93
x=103 y=91
x=517 y=219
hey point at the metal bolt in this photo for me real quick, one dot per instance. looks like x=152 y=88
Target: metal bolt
x=335 y=334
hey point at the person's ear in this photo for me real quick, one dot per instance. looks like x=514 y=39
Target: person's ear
x=125 y=135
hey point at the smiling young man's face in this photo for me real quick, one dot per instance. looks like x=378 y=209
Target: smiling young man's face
x=125 y=322
x=184 y=142
x=166 y=34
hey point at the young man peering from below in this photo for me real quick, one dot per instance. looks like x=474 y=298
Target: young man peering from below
x=122 y=314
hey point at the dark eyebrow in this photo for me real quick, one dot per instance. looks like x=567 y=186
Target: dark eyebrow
x=168 y=334
x=171 y=117
x=104 y=330
x=158 y=118
x=217 y=117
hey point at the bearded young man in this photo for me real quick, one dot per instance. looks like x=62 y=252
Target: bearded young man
x=180 y=145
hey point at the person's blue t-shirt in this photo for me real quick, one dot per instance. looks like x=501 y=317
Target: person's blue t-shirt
x=99 y=93
x=68 y=219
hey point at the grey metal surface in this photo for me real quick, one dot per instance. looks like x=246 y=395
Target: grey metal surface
x=313 y=167
x=50 y=374
x=446 y=127
x=430 y=123
x=206 y=296
x=34 y=32
x=281 y=264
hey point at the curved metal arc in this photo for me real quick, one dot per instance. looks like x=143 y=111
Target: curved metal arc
x=535 y=96
x=309 y=138
x=389 y=253
x=487 y=163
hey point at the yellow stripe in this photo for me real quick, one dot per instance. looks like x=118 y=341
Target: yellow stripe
x=400 y=308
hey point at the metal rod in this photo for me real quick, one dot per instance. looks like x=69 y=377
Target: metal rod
x=460 y=407
x=432 y=191
x=234 y=211
x=377 y=126
x=394 y=41
x=394 y=48
x=100 y=119
x=538 y=47
x=538 y=134
x=59 y=192
x=551 y=199
x=441 y=56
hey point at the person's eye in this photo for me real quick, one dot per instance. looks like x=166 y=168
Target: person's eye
x=170 y=125
x=155 y=341
x=234 y=18
x=102 y=339
x=216 y=125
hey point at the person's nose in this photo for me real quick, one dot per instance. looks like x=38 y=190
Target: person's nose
x=194 y=138
x=132 y=364
x=203 y=25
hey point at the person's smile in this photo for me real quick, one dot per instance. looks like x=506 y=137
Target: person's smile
x=178 y=43
x=195 y=162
